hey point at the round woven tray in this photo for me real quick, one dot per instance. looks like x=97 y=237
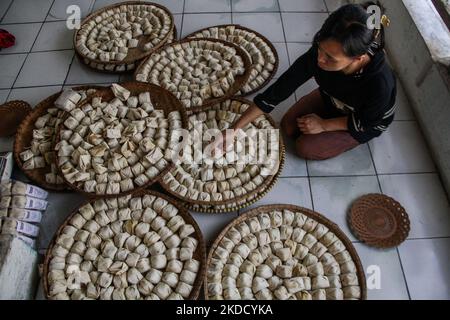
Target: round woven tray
x=309 y=213
x=161 y=99
x=24 y=136
x=379 y=221
x=274 y=50
x=239 y=80
x=12 y=114
x=135 y=54
x=199 y=254
x=240 y=202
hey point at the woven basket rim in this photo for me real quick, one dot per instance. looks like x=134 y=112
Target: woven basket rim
x=113 y=6
x=140 y=87
x=266 y=41
x=309 y=213
x=200 y=252
x=270 y=179
x=17 y=109
x=239 y=80
x=27 y=126
x=372 y=240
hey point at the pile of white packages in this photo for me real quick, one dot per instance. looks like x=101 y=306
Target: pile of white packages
x=21 y=209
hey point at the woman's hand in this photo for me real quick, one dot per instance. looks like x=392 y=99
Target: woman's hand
x=311 y=124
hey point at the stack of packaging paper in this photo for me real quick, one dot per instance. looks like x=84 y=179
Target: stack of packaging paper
x=21 y=208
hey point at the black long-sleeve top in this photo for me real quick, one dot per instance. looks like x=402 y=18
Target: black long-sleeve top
x=367 y=98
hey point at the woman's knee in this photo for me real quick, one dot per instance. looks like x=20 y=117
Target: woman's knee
x=288 y=127
x=309 y=150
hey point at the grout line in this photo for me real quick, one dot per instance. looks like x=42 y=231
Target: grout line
x=359 y=175
x=68 y=70
x=427 y=238
x=326 y=6
x=31 y=51
x=398 y=252
x=182 y=21
x=403 y=272
x=7 y=9
x=26 y=58
x=29 y=22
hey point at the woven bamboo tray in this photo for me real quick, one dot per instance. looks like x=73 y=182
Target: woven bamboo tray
x=266 y=41
x=24 y=136
x=309 y=213
x=379 y=221
x=135 y=55
x=199 y=254
x=161 y=99
x=239 y=80
x=240 y=202
x=12 y=114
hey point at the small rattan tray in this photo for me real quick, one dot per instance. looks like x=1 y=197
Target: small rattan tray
x=199 y=254
x=12 y=114
x=379 y=221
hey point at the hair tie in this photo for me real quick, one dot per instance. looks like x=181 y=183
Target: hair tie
x=385 y=21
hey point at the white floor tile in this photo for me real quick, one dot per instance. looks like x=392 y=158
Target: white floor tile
x=10 y=65
x=40 y=295
x=33 y=95
x=352 y=163
x=303 y=5
x=54 y=36
x=255 y=5
x=293 y=191
x=61 y=205
x=178 y=20
x=296 y=50
x=402 y=149
x=268 y=24
x=3 y=95
x=283 y=58
x=80 y=73
x=45 y=68
x=404 y=111
x=27 y=11
x=294 y=166
x=25 y=35
x=197 y=6
x=4 y=5
x=333 y=5
x=391 y=283
x=426 y=265
x=59 y=9
x=174 y=6
x=104 y=3
x=212 y=224
x=194 y=22
x=425 y=201
x=301 y=27
x=333 y=197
